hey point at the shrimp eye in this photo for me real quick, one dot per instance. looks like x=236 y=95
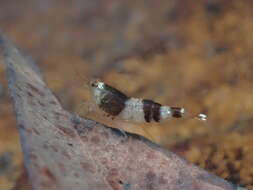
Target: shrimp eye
x=94 y=84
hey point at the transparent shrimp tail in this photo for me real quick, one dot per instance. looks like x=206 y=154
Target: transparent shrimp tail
x=200 y=116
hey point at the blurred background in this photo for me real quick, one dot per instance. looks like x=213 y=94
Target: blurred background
x=193 y=54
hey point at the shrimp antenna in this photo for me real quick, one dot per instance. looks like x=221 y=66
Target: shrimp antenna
x=82 y=77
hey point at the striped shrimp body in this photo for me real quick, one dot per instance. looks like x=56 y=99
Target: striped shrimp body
x=116 y=104
x=142 y=110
